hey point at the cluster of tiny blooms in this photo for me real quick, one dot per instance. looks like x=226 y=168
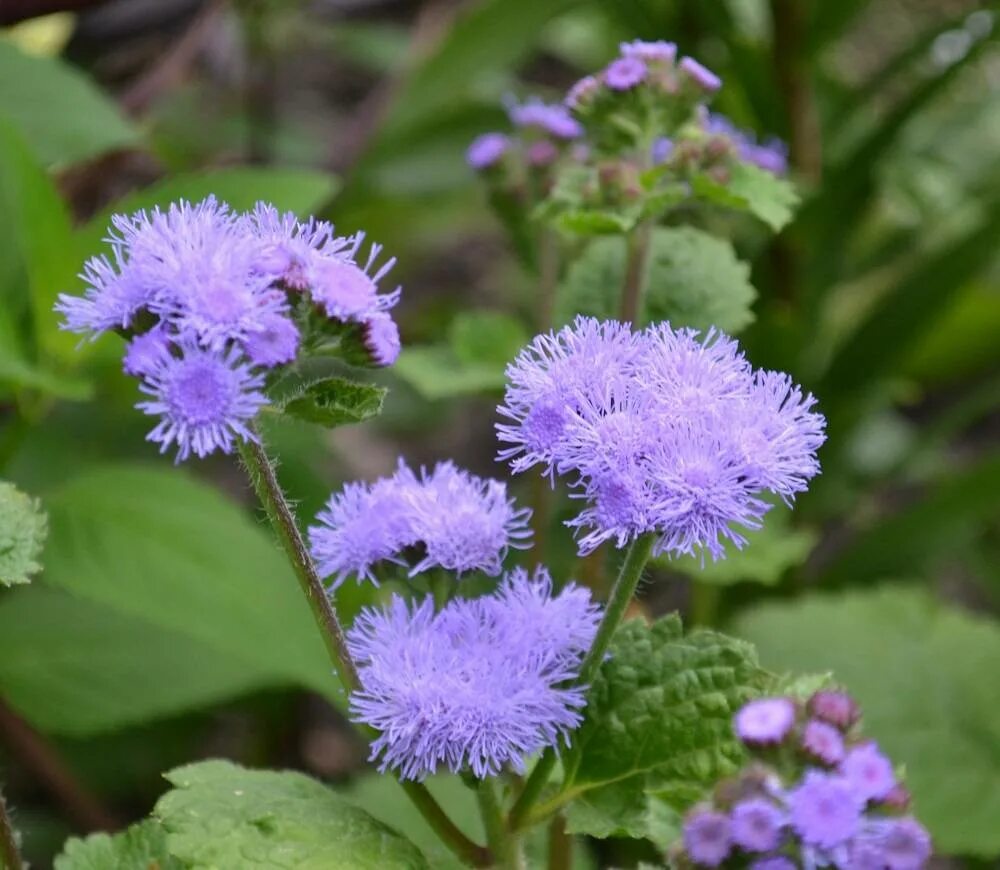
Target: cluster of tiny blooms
x=455 y=520
x=210 y=300
x=771 y=155
x=543 y=132
x=831 y=798
x=663 y=431
x=478 y=685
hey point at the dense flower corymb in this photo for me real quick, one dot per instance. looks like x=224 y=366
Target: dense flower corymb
x=460 y=522
x=479 y=685
x=210 y=300
x=664 y=431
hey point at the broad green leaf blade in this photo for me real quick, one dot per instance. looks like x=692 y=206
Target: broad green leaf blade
x=694 y=279
x=143 y=846
x=221 y=815
x=23 y=526
x=770 y=551
x=436 y=373
x=752 y=189
x=158 y=545
x=303 y=191
x=486 y=338
x=658 y=724
x=335 y=402
x=76 y=668
x=61 y=114
x=925 y=676
x=40 y=224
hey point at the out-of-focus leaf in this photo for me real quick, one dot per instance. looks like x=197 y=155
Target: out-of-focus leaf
x=335 y=402
x=302 y=191
x=40 y=224
x=770 y=551
x=221 y=815
x=21 y=374
x=435 y=372
x=23 y=526
x=76 y=668
x=143 y=846
x=486 y=337
x=750 y=188
x=658 y=721
x=621 y=810
x=693 y=279
x=906 y=541
x=158 y=545
x=61 y=114
x=923 y=676
x=909 y=310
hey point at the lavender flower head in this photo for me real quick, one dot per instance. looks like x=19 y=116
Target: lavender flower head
x=770 y=155
x=462 y=523
x=665 y=431
x=624 y=73
x=824 y=811
x=487 y=150
x=765 y=721
x=700 y=75
x=553 y=120
x=707 y=837
x=582 y=92
x=757 y=825
x=209 y=300
x=649 y=52
x=477 y=686
x=823 y=742
x=868 y=772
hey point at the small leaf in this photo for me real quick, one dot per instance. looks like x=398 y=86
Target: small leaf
x=222 y=815
x=23 y=526
x=142 y=846
x=750 y=188
x=693 y=279
x=335 y=402
x=658 y=724
x=924 y=675
x=770 y=551
x=435 y=372
x=595 y=222
x=486 y=337
x=62 y=114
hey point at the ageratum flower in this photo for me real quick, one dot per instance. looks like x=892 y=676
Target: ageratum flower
x=624 y=73
x=553 y=120
x=487 y=150
x=664 y=431
x=770 y=155
x=707 y=837
x=204 y=400
x=824 y=811
x=458 y=521
x=757 y=825
x=476 y=687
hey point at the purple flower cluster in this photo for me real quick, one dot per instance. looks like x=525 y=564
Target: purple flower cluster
x=771 y=154
x=477 y=686
x=210 y=299
x=664 y=431
x=451 y=519
x=840 y=807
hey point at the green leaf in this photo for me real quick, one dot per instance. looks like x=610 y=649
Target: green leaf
x=158 y=545
x=658 y=725
x=76 y=668
x=221 y=815
x=769 y=553
x=61 y=114
x=694 y=279
x=750 y=188
x=925 y=677
x=621 y=810
x=595 y=222
x=23 y=526
x=335 y=402
x=142 y=846
x=302 y=191
x=486 y=338
x=43 y=243
x=435 y=372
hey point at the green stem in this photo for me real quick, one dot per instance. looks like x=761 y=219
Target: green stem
x=10 y=855
x=502 y=843
x=614 y=610
x=260 y=470
x=635 y=272
x=560 y=845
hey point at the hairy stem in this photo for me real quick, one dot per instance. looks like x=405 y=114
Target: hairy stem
x=10 y=854
x=635 y=272
x=618 y=602
x=502 y=843
x=260 y=470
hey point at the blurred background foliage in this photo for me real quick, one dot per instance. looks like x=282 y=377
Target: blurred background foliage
x=164 y=627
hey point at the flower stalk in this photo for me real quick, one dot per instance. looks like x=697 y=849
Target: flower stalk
x=261 y=473
x=10 y=854
x=621 y=594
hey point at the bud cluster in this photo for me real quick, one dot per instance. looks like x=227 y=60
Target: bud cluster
x=816 y=794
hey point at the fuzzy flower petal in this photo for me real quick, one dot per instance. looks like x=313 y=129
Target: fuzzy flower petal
x=707 y=837
x=824 y=810
x=869 y=772
x=756 y=825
x=765 y=721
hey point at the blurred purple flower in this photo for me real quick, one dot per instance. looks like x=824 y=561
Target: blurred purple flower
x=824 y=811
x=650 y=52
x=624 y=73
x=381 y=337
x=703 y=77
x=756 y=825
x=707 y=837
x=868 y=772
x=487 y=150
x=555 y=119
x=765 y=721
x=823 y=742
